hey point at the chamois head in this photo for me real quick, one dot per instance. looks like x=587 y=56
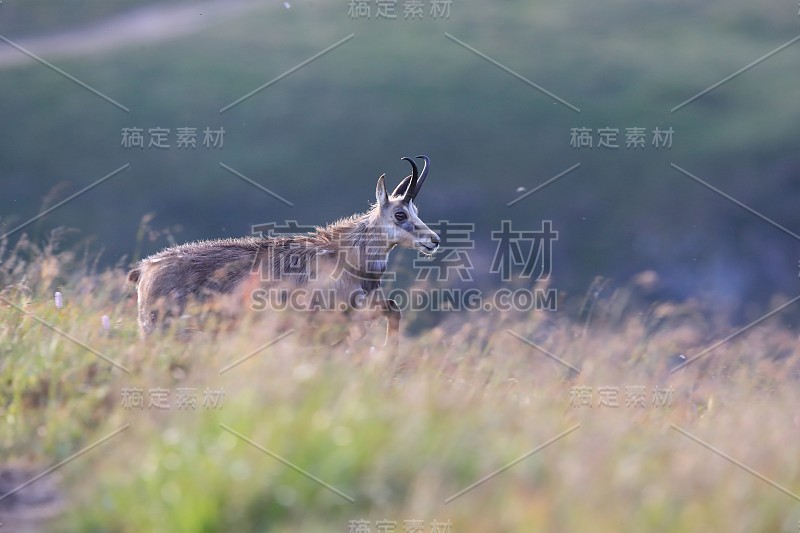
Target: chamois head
x=397 y=212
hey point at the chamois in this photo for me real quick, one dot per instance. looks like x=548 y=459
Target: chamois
x=347 y=258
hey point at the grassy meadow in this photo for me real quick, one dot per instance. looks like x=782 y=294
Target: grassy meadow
x=310 y=438
x=640 y=404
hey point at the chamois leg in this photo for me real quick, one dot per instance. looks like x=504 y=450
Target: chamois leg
x=383 y=308
x=356 y=330
x=392 y=313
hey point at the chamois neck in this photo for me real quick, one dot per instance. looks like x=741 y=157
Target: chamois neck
x=360 y=231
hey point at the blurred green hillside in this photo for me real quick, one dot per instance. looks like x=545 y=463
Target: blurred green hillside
x=322 y=135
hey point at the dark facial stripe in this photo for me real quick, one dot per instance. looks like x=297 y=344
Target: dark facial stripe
x=407 y=225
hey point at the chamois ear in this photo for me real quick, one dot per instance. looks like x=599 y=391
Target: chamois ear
x=380 y=192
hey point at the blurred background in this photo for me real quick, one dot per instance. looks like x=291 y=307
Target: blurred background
x=321 y=135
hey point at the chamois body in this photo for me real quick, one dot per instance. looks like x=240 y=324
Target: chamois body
x=347 y=257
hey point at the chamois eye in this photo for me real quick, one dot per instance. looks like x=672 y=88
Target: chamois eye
x=400 y=216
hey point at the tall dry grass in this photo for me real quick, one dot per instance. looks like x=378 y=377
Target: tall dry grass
x=399 y=435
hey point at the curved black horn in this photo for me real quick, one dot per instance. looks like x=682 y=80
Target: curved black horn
x=422 y=176
x=412 y=185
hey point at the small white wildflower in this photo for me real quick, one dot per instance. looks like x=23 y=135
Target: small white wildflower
x=59 y=300
x=106 y=322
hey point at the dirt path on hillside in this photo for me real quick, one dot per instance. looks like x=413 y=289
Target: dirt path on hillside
x=143 y=25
